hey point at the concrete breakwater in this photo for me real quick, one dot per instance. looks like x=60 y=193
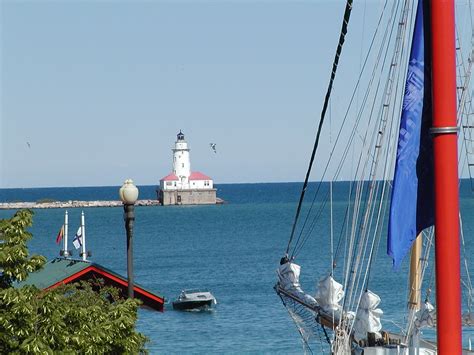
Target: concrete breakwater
x=72 y=204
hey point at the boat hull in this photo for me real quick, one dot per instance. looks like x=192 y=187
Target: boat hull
x=187 y=305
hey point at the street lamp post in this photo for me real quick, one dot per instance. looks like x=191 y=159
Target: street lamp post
x=129 y=195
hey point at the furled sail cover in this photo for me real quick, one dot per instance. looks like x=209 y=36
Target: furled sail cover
x=426 y=316
x=368 y=316
x=289 y=280
x=329 y=294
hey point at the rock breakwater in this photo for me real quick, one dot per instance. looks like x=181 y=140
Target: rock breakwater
x=72 y=204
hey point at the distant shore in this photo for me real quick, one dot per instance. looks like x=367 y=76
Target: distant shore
x=72 y=204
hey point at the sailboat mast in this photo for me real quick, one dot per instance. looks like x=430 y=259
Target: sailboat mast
x=448 y=288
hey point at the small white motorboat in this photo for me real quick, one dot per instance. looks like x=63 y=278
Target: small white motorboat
x=194 y=299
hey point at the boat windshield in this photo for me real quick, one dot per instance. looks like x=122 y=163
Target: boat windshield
x=195 y=290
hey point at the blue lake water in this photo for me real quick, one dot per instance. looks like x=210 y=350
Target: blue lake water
x=231 y=249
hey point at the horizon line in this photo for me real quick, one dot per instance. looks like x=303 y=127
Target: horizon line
x=224 y=183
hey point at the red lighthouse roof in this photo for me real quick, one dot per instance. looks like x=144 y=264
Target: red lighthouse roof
x=170 y=177
x=196 y=175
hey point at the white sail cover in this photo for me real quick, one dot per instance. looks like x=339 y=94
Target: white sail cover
x=289 y=280
x=368 y=316
x=329 y=293
x=426 y=316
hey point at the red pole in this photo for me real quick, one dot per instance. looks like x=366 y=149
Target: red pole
x=448 y=279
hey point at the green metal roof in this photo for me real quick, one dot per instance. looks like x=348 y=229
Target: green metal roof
x=55 y=271
x=59 y=269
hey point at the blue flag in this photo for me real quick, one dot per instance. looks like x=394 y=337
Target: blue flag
x=412 y=205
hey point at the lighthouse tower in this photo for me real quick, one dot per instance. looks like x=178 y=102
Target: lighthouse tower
x=183 y=186
x=181 y=161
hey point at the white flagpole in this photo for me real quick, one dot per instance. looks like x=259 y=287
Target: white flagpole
x=83 y=236
x=66 y=252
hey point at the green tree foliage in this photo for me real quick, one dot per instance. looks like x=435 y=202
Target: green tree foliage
x=70 y=319
x=13 y=249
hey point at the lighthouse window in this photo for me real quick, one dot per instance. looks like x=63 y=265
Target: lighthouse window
x=169 y=183
x=206 y=183
x=182 y=165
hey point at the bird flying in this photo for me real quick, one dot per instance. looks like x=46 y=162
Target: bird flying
x=213 y=147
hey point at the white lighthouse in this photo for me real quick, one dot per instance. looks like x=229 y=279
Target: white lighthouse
x=183 y=186
x=181 y=161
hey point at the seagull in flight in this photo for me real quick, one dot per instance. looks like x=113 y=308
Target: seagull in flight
x=213 y=147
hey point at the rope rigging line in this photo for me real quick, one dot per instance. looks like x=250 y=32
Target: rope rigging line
x=305 y=319
x=361 y=191
x=363 y=221
x=369 y=209
x=468 y=283
x=366 y=222
x=296 y=314
x=345 y=22
x=345 y=118
x=379 y=63
x=464 y=114
x=369 y=220
x=388 y=167
x=301 y=330
x=389 y=159
x=465 y=109
x=385 y=50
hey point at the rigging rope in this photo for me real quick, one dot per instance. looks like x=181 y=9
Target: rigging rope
x=464 y=114
x=345 y=22
x=364 y=215
x=298 y=246
x=305 y=319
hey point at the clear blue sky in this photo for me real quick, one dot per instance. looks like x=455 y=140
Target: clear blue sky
x=99 y=89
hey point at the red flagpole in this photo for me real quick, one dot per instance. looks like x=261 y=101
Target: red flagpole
x=448 y=284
